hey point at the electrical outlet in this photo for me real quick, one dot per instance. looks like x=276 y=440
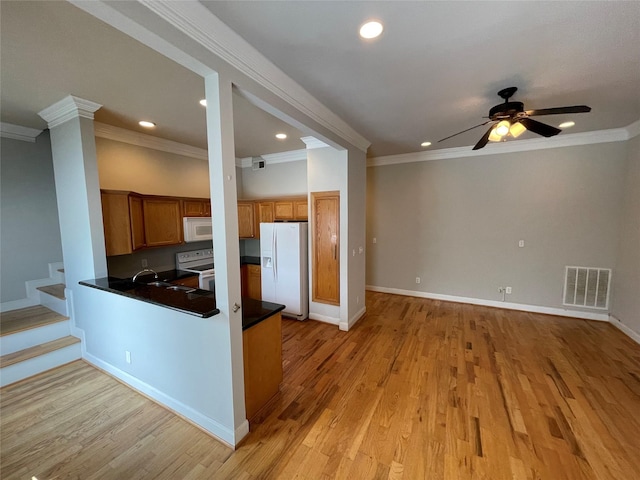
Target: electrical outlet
x=508 y=290
x=127 y=356
x=144 y=263
x=375 y=240
x=417 y=279
x=521 y=243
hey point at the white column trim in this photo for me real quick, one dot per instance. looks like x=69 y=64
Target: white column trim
x=313 y=142
x=18 y=132
x=68 y=108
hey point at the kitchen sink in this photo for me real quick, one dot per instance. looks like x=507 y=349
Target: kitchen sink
x=159 y=284
x=181 y=288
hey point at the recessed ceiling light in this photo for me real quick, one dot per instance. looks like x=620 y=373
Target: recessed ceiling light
x=371 y=29
x=567 y=124
x=425 y=144
x=145 y=124
x=203 y=102
x=281 y=136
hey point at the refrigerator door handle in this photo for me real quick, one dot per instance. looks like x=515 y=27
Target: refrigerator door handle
x=274 y=252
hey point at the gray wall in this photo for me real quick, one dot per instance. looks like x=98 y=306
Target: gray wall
x=279 y=179
x=626 y=279
x=30 y=232
x=456 y=223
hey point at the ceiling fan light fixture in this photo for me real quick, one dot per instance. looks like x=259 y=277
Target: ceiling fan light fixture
x=567 y=124
x=425 y=144
x=502 y=128
x=517 y=129
x=494 y=137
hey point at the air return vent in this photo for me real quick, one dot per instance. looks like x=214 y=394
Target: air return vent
x=587 y=287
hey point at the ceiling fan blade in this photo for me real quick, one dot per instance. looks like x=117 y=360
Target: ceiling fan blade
x=483 y=141
x=540 y=128
x=558 y=110
x=447 y=138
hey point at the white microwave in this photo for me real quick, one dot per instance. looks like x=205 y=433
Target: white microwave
x=197 y=229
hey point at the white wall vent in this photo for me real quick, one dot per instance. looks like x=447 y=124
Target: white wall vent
x=257 y=163
x=587 y=287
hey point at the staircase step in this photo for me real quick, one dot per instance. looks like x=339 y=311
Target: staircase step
x=56 y=290
x=32 y=352
x=27 y=318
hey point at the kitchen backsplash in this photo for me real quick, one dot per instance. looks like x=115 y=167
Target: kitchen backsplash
x=158 y=259
x=250 y=247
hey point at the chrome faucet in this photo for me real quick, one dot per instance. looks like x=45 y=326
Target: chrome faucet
x=146 y=270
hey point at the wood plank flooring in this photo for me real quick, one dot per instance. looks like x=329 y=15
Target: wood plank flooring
x=27 y=318
x=418 y=389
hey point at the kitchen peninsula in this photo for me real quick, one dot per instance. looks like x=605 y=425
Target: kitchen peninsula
x=261 y=325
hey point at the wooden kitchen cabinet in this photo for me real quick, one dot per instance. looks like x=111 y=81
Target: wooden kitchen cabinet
x=246 y=227
x=262 y=354
x=283 y=210
x=196 y=207
x=117 y=223
x=264 y=212
x=301 y=209
x=137 y=222
x=254 y=281
x=188 y=281
x=162 y=221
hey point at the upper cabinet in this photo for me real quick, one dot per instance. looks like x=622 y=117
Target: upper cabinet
x=246 y=226
x=196 y=207
x=162 y=221
x=133 y=221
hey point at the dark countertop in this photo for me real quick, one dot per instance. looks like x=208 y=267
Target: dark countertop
x=254 y=311
x=247 y=260
x=201 y=303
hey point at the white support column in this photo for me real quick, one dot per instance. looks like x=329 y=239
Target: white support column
x=77 y=188
x=224 y=212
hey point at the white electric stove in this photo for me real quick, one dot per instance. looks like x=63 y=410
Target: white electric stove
x=200 y=262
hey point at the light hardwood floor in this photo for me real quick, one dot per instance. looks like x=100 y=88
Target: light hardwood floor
x=418 y=389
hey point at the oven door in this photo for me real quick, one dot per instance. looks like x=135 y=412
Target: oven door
x=208 y=281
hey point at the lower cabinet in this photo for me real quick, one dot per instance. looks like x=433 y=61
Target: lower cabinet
x=262 y=352
x=251 y=281
x=188 y=282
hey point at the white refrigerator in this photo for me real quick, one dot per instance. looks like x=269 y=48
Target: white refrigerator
x=283 y=257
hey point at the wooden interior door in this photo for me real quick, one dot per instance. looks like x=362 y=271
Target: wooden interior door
x=325 y=246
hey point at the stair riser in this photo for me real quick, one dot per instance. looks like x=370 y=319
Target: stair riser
x=34 y=336
x=53 y=303
x=42 y=363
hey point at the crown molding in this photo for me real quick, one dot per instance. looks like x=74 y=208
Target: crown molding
x=197 y=22
x=313 y=142
x=273 y=158
x=568 y=140
x=633 y=129
x=18 y=132
x=67 y=108
x=148 y=141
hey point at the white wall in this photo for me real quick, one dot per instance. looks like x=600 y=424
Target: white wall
x=356 y=255
x=29 y=227
x=275 y=180
x=456 y=223
x=327 y=171
x=626 y=277
x=122 y=166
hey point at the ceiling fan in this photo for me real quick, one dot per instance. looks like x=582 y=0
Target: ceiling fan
x=511 y=119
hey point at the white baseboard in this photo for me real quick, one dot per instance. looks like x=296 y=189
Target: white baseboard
x=18 y=304
x=217 y=430
x=324 y=318
x=345 y=326
x=563 y=312
x=632 y=334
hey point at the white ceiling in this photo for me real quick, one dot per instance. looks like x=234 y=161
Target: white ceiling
x=434 y=71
